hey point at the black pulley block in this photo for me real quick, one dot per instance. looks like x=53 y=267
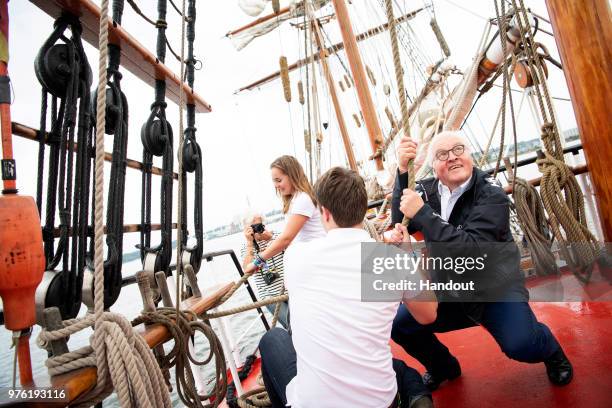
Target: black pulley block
x=154 y=137
x=113 y=109
x=191 y=155
x=54 y=69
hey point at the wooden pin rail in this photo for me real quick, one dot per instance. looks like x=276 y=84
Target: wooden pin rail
x=32 y=134
x=126 y=229
x=78 y=382
x=134 y=56
x=581 y=169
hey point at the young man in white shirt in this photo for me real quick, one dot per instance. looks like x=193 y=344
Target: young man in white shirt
x=338 y=354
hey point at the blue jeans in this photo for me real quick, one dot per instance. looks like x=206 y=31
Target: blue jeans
x=278 y=367
x=512 y=324
x=282 y=314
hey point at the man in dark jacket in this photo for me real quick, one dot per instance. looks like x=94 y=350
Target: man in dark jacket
x=462 y=212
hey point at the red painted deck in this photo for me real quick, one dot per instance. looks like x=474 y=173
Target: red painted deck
x=490 y=379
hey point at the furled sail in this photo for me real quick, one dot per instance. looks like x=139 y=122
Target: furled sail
x=243 y=36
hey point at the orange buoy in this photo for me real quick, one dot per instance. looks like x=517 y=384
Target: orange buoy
x=22 y=260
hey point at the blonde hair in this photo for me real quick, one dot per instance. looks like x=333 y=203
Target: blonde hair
x=293 y=169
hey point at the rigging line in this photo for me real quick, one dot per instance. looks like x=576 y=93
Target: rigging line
x=466 y=10
x=180 y=215
x=553 y=97
x=306 y=149
x=181 y=14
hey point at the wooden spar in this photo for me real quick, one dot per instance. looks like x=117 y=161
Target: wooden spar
x=334 y=96
x=329 y=51
x=258 y=21
x=32 y=134
x=584 y=37
x=134 y=56
x=78 y=382
x=359 y=76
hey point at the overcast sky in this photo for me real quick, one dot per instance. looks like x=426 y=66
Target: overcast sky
x=245 y=132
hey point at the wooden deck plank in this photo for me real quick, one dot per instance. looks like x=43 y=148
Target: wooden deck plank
x=134 y=56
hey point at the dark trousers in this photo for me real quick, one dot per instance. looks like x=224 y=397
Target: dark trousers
x=512 y=324
x=278 y=367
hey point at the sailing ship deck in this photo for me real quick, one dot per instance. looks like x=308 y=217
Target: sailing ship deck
x=490 y=379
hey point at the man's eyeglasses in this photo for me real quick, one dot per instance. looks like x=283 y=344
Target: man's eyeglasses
x=457 y=150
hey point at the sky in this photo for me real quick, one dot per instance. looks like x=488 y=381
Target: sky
x=244 y=133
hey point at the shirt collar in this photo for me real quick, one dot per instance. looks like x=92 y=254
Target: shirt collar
x=347 y=232
x=458 y=191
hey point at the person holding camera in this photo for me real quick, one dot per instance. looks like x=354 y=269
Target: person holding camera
x=269 y=281
x=299 y=206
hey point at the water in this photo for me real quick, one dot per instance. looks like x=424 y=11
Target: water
x=221 y=270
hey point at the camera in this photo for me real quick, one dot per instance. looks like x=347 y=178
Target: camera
x=258 y=228
x=269 y=276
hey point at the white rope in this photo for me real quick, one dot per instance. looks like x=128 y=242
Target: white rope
x=123 y=359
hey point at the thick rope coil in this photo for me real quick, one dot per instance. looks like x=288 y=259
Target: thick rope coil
x=357 y=121
x=341 y=85
x=183 y=327
x=564 y=203
x=300 y=86
x=370 y=75
x=255 y=398
x=534 y=225
x=284 y=72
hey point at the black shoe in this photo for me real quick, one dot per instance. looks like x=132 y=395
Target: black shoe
x=559 y=368
x=433 y=381
x=421 y=401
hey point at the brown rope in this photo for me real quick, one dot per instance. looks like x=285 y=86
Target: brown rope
x=182 y=327
x=564 y=203
x=533 y=222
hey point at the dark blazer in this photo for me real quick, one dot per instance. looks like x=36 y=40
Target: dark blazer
x=479 y=225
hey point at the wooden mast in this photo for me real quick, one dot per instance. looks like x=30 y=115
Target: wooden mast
x=584 y=37
x=361 y=84
x=334 y=96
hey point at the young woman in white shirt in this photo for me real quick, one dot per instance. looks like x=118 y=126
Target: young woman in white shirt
x=303 y=220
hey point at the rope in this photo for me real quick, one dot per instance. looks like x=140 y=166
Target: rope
x=254 y=398
x=119 y=353
x=564 y=203
x=534 y=225
x=559 y=189
x=183 y=326
x=244 y=308
x=399 y=78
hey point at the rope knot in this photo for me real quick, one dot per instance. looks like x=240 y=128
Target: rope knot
x=163 y=24
x=159 y=104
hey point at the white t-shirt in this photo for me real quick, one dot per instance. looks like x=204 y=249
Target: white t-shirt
x=342 y=344
x=301 y=204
